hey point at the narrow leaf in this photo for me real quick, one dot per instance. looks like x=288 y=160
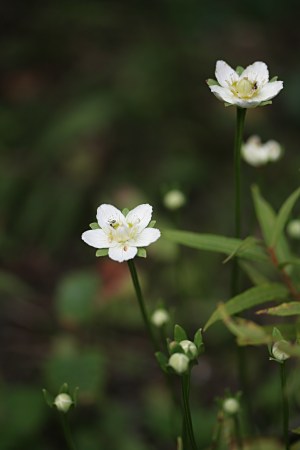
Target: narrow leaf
x=283 y=216
x=252 y=297
x=179 y=333
x=125 y=211
x=239 y=70
x=48 y=398
x=246 y=243
x=94 y=226
x=142 y=253
x=215 y=243
x=285 y=309
x=162 y=360
x=152 y=223
x=198 y=340
x=102 y=252
x=255 y=275
x=273 y=79
x=211 y=82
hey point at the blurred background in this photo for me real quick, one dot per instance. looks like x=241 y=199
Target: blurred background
x=106 y=102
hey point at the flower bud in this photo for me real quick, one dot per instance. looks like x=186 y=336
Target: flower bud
x=293 y=228
x=174 y=199
x=63 y=402
x=189 y=348
x=231 y=405
x=279 y=354
x=179 y=362
x=160 y=317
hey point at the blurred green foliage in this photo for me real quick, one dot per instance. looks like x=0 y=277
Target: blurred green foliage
x=106 y=102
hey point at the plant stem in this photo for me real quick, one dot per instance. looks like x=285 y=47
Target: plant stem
x=238 y=434
x=141 y=302
x=240 y=121
x=285 y=406
x=67 y=431
x=185 y=387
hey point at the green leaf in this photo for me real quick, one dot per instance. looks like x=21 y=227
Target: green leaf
x=267 y=102
x=254 y=274
x=252 y=297
x=142 y=253
x=211 y=82
x=179 y=333
x=276 y=334
x=48 y=398
x=125 y=211
x=246 y=243
x=273 y=79
x=152 y=223
x=198 y=340
x=215 y=243
x=64 y=389
x=283 y=216
x=285 y=309
x=239 y=70
x=102 y=252
x=94 y=226
x=75 y=395
x=162 y=360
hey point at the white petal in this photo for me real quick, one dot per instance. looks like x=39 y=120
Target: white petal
x=269 y=91
x=223 y=94
x=140 y=216
x=146 y=237
x=247 y=103
x=96 y=238
x=108 y=213
x=122 y=253
x=257 y=72
x=225 y=74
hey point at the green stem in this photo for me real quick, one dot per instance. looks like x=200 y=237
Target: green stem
x=216 y=439
x=238 y=434
x=285 y=406
x=67 y=431
x=240 y=121
x=185 y=387
x=141 y=302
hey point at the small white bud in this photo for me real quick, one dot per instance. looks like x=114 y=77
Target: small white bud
x=63 y=402
x=231 y=406
x=279 y=354
x=189 y=347
x=293 y=228
x=160 y=317
x=274 y=150
x=174 y=199
x=179 y=362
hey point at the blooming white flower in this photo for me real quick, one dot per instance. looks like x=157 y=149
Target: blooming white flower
x=179 y=362
x=174 y=199
x=160 y=317
x=257 y=154
x=277 y=351
x=120 y=234
x=248 y=88
x=63 y=402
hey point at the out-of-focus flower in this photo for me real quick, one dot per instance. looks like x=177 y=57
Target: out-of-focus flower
x=246 y=88
x=231 y=405
x=189 y=348
x=293 y=229
x=122 y=235
x=179 y=362
x=174 y=199
x=160 y=317
x=257 y=154
x=277 y=351
x=63 y=402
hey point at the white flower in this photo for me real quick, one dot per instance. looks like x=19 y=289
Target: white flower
x=189 y=348
x=247 y=90
x=257 y=154
x=231 y=405
x=277 y=351
x=174 y=199
x=63 y=402
x=122 y=235
x=293 y=228
x=179 y=362
x=160 y=317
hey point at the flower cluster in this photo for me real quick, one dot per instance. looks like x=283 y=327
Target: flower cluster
x=121 y=233
x=246 y=88
x=257 y=154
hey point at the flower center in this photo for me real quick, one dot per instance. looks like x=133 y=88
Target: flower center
x=244 y=88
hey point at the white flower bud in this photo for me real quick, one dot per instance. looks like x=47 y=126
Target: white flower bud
x=231 y=405
x=174 y=199
x=160 y=317
x=274 y=150
x=63 y=402
x=179 y=362
x=279 y=354
x=293 y=228
x=189 y=347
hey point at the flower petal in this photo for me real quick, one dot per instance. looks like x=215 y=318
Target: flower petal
x=269 y=90
x=257 y=71
x=96 y=238
x=106 y=214
x=225 y=74
x=223 y=94
x=140 y=216
x=122 y=253
x=146 y=237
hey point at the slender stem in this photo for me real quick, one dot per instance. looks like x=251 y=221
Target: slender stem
x=185 y=387
x=67 y=431
x=216 y=439
x=240 y=121
x=141 y=302
x=238 y=434
x=285 y=406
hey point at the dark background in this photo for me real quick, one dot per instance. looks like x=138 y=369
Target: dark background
x=106 y=102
